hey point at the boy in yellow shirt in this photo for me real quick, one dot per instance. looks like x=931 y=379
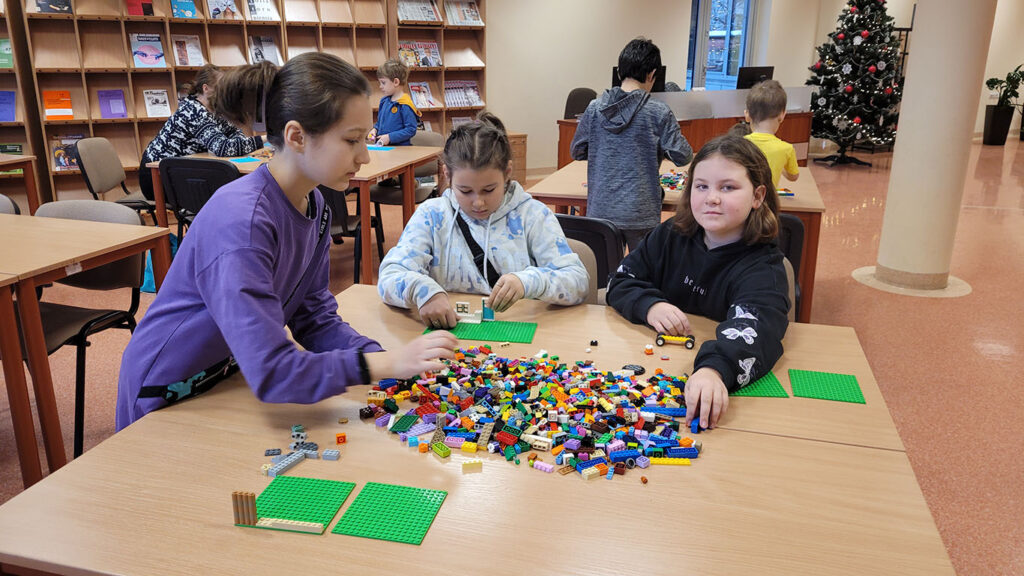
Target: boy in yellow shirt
x=766 y=109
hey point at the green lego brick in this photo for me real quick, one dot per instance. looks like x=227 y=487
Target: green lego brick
x=497 y=331
x=441 y=449
x=825 y=386
x=767 y=386
x=390 y=512
x=302 y=499
x=404 y=423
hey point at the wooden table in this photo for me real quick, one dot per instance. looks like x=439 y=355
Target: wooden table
x=27 y=164
x=38 y=251
x=568 y=187
x=17 y=388
x=397 y=161
x=795 y=129
x=753 y=503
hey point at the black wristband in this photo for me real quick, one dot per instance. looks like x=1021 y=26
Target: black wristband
x=364 y=368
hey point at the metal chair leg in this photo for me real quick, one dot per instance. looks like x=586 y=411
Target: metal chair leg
x=80 y=397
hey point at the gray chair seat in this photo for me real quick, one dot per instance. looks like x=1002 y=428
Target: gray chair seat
x=63 y=323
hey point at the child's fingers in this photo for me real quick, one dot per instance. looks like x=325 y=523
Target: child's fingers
x=706 y=402
x=692 y=396
x=451 y=318
x=720 y=404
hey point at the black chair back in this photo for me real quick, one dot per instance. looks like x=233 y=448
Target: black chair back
x=604 y=239
x=577 y=102
x=791 y=240
x=190 y=182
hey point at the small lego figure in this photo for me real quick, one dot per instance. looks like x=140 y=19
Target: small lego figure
x=298 y=436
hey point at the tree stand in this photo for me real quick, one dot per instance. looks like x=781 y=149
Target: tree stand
x=841 y=158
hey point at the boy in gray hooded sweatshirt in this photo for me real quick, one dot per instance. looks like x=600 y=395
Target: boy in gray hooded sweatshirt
x=624 y=135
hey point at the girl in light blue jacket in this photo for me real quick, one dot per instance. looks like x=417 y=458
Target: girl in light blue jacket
x=485 y=235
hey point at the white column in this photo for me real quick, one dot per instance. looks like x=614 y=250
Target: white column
x=946 y=66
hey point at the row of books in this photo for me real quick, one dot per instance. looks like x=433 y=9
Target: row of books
x=216 y=9
x=57 y=104
x=419 y=54
x=148 y=52
x=460 y=13
x=462 y=93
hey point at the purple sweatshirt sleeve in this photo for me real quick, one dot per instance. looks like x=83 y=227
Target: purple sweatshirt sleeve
x=316 y=323
x=238 y=292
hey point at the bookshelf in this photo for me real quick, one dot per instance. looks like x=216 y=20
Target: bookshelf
x=89 y=50
x=23 y=130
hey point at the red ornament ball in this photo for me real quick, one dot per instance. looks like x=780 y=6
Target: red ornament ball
x=848 y=89
x=888 y=90
x=865 y=34
x=841 y=36
x=853 y=9
x=817 y=65
x=856 y=120
x=872 y=69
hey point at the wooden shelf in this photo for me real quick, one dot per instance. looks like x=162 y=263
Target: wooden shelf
x=301 y=39
x=371 y=48
x=462 y=50
x=228 y=45
x=265 y=29
x=338 y=41
x=54 y=44
x=123 y=137
x=9 y=83
x=97 y=8
x=103 y=45
x=369 y=12
x=96 y=82
x=300 y=12
x=72 y=83
x=336 y=12
x=237 y=17
x=190 y=29
x=143 y=82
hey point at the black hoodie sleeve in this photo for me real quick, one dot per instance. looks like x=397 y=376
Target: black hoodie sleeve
x=635 y=286
x=749 y=340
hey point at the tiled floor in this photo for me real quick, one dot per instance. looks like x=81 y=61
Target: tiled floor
x=945 y=366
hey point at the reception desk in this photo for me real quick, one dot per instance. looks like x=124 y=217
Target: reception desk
x=704 y=115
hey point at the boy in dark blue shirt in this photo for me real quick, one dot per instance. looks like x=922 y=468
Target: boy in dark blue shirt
x=397 y=116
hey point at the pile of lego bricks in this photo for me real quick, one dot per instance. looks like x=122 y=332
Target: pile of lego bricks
x=673 y=180
x=591 y=422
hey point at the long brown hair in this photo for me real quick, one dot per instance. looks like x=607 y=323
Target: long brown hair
x=762 y=222
x=208 y=74
x=311 y=88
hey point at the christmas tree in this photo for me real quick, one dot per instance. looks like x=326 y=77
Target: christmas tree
x=859 y=88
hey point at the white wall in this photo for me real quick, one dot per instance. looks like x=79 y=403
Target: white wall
x=1005 y=52
x=789 y=42
x=539 y=50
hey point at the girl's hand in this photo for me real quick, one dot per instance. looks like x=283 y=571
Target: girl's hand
x=507 y=291
x=706 y=392
x=438 y=312
x=384 y=140
x=372 y=135
x=667 y=319
x=421 y=355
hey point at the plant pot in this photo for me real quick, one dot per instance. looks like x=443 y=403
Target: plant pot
x=997 y=124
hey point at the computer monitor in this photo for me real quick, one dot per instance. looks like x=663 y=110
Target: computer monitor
x=659 y=79
x=750 y=75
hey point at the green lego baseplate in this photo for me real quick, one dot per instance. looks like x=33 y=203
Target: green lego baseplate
x=825 y=386
x=767 y=386
x=496 y=331
x=302 y=499
x=391 y=512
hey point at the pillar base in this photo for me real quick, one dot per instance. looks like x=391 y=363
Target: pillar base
x=879 y=278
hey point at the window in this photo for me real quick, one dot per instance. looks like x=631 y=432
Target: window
x=718 y=41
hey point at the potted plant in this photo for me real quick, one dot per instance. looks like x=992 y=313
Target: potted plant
x=999 y=115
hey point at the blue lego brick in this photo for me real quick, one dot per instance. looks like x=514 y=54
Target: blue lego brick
x=695 y=426
x=682 y=452
x=623 y=455
x=665 y=410
x=467 y=435
x=584 y=464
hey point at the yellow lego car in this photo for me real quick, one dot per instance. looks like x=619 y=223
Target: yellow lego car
x=687 y=341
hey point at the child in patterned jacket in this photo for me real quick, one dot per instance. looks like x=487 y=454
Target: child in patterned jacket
x=485 y=235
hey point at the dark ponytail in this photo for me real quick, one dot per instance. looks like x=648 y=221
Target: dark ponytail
x=208 y=74
x=478 y=145
x=311 y=89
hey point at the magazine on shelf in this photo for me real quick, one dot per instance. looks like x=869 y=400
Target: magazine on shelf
x=7 y=105
x=187 y=50
x=263 y=10
x=462 y=93
x=157 y=103
x=6 y=56
x=54 y=6
x=57 y=105
x=418 y=11
x=428 y=53
x=112 y=103
x=184 y=9
x=147 y=51
x=139 y=7
x=407 y=53
x=13 y=150
x=422 y=96
x=427 y=125
x=223 y=10
x=263 y=48
x=62 y=151
x=462 y=13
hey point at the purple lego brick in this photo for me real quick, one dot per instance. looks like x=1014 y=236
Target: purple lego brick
x=572 y=444
x=643 y=462
x=429 y=418
x=454 y=441
x=383 y=420
x=402 y=437
x=615 y=446
x=543 y=467
x=421 y=428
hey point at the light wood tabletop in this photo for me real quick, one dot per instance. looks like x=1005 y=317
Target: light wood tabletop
x=752 y=503
x=568 y=187
x=37 y=251
x=392 y=162
x=27 y=164
x=567 y=332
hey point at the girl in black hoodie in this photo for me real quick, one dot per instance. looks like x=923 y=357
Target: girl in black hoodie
x=718 y=258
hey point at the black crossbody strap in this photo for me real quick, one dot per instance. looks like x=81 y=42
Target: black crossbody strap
x=325 y=217
x=478 y=253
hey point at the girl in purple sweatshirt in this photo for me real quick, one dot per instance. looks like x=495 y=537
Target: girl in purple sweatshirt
x=256 y=259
